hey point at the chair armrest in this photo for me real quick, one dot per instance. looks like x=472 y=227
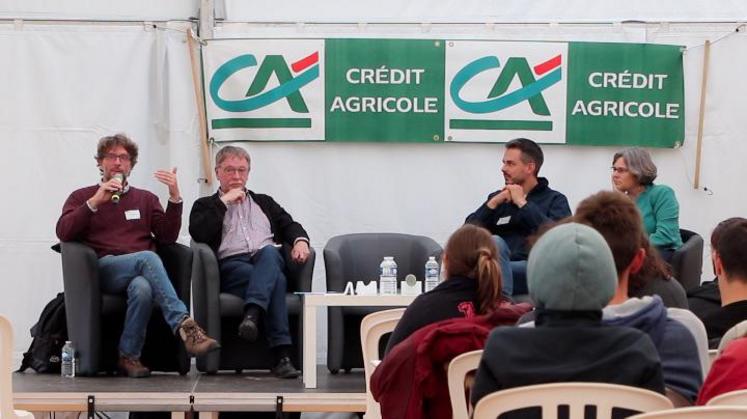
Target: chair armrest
x=334 y=267
x=206 y=288
x=300 y=275
x=80 y=278
x=177 y=259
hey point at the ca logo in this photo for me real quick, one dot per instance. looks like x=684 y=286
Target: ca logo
x=306 y=70
x=497 y=99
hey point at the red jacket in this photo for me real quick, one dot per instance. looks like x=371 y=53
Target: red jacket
x=728 y=372
x=411 y=381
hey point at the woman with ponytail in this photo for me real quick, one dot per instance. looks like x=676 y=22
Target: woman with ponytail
x=455 y=317
x=472 y=285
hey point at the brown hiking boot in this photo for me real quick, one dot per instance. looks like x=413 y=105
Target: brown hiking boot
x=196 y=342
x=132 y=367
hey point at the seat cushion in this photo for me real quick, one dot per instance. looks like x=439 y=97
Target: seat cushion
x=233 y=306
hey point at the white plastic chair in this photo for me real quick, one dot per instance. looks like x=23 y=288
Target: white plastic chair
x=6 y=377
x=737 y=331
x=373 y=327
x=459 y=367
x=697 y=328
x=703 y=412
x=732 y=398
x=575 y=395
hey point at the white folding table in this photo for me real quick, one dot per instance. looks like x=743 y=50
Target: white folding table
x=311 y=301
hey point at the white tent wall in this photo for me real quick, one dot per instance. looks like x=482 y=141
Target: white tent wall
x=62 y=86
x=103 y=10
x=480 y=11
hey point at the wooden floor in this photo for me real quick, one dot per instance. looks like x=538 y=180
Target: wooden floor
x=250 y=391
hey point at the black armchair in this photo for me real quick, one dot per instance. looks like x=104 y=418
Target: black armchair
x=95 y=320
x=220 y=314
x=687 y=261
x=354 y=257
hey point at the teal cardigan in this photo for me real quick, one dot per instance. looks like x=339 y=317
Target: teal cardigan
x=661 y=212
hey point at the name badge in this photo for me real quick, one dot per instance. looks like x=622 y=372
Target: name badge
x=132 y=214
x=503 y=220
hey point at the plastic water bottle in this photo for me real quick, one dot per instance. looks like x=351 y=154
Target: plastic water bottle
x=68 y=360
x=388 y=276
x=431 y=274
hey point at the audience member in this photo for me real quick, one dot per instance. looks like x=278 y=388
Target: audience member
x=472 y=285
x=616 y=218
x=728 y=372
x=571 y=278
x=729 y=256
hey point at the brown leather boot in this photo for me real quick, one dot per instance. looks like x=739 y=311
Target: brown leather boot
x=132 y=367
x=196 y=342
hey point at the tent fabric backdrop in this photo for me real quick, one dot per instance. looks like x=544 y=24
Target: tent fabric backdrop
x=63 y=86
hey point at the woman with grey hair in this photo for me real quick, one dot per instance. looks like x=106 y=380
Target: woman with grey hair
x=633 y=173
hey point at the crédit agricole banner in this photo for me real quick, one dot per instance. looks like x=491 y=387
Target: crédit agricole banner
x=395 y=90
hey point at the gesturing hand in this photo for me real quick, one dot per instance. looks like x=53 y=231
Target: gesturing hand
x=168 y=178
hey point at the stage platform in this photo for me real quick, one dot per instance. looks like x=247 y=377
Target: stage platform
x=195 y=392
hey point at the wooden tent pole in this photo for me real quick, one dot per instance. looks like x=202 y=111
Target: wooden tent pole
x=701 y=117
x=197 y=85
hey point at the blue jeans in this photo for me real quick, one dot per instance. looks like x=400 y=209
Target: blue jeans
x=144 y=278
x=514 y=272
x=259 y=279
x=507 y=278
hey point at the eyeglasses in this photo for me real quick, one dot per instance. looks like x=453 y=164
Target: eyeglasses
x=121 y=157
x=619 y=170
x=232 y=170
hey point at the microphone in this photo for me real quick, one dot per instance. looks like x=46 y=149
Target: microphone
x=117 y=195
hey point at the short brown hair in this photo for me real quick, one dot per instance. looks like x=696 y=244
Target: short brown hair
x=107 y=143
x=530 y=152
x=471 y=252
x=731 y=246
x=615 y=216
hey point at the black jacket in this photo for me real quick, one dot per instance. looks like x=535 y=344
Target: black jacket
x=567 y=346
x=455 y=297
x=543 y=205
x=206 y=220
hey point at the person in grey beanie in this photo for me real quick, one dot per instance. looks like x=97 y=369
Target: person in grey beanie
x=571 y=277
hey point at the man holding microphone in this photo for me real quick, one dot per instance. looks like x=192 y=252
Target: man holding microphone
x=123 y=224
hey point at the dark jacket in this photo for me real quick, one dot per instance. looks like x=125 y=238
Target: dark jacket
x=567 y=346
x=411 y=382
x=455 y=297
x=206 y=220
x=543 y=205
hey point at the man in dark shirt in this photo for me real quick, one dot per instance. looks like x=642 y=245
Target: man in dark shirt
x=244 y=229
x=122 y=224
x=514 y=212
x=729 y=255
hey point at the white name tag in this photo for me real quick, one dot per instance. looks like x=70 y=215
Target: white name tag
x=132 y=214
x=503 y=220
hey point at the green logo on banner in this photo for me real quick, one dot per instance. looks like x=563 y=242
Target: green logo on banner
x=306 y=70
x=384 y=90
x=530 y=91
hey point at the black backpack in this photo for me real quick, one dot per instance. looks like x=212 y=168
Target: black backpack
x=50 y=334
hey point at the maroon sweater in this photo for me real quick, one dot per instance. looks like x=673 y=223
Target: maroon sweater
x=109 y=232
